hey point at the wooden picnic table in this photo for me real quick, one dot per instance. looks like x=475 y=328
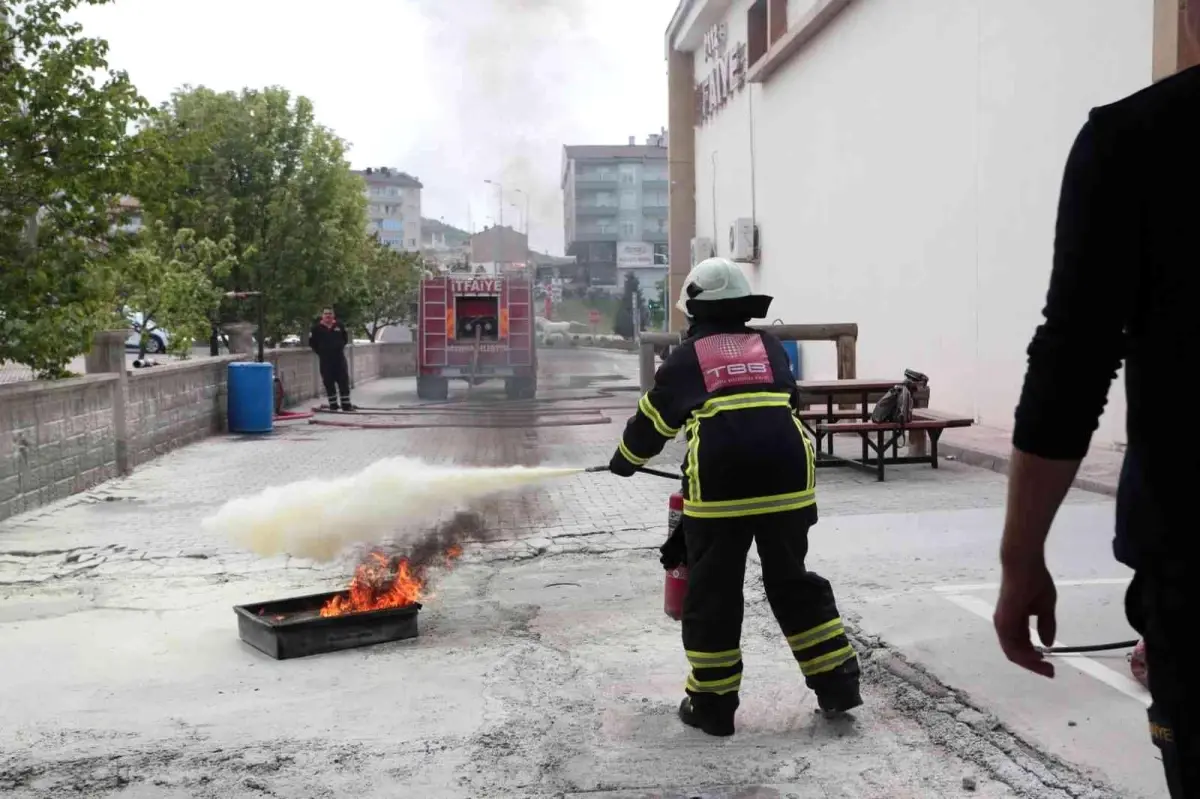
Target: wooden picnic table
x=857 y=391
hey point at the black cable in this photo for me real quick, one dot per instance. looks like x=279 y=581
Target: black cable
x=1068 y=650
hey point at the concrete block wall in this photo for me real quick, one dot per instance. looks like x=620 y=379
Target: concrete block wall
x=56 y=439
x=60 y=438
x=397 y=360
x=171 y=406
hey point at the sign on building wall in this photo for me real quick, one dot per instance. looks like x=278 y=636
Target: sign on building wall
x=634 y=254
x=726 y=73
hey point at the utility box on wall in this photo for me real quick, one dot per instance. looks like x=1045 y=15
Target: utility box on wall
x=743 y=240
x=701 y=248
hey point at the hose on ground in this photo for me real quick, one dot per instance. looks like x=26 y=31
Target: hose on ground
x=1074 y=650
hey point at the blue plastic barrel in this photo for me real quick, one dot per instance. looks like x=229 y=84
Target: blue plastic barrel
x=793 y=351
x=251 y=397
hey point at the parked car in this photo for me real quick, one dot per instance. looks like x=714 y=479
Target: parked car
x=156 y=343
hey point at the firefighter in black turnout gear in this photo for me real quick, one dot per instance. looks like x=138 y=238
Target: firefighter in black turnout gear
x=328 y=339
x=748 y=476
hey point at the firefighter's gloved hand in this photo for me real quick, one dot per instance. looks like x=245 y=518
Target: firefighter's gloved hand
x=674 y=552
x=621 y=467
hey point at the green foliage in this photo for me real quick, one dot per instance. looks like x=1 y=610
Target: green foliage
x=623 y=320
x=65 y=157
x=255 y=166
x=385 y=289
x=173 y=279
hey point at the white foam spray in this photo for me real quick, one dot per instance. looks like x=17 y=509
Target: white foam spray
x=318 y=519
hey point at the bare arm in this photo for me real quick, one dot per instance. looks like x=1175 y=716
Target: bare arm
x=1073 y=358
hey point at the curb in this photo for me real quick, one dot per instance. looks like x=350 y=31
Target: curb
x=999 y=464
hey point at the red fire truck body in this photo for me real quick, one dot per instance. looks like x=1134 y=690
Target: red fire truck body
x=476 y=328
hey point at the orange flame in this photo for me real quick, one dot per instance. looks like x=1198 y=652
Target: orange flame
x=378 y=585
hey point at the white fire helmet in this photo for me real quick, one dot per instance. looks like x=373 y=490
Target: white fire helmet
x=711 y=280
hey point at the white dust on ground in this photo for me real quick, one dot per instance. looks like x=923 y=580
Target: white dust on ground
x=318 y=519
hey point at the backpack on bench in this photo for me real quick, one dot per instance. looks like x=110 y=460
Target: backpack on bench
x=896 y=406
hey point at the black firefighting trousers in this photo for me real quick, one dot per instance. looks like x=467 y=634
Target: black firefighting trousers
x=1161 y=606
x=335 y=374
x=802 y=601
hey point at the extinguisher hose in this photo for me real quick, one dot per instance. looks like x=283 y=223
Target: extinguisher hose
x=1070 y=650
x=642 y=470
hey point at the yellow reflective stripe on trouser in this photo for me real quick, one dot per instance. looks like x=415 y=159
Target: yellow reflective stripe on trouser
x=826 y=662
x=816 y=635
x=714 y=660
x=727 y=508
x=664 y=430
x=725 y=685
x=629 y=456
x=738 y=402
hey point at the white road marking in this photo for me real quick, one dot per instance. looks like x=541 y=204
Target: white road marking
x=959 y=589
x=1099 y=671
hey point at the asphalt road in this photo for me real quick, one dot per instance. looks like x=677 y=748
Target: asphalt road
x=545 y=666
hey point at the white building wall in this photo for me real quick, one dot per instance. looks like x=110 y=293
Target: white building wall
x=908 y=167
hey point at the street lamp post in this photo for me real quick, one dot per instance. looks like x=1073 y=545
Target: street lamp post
x=526 y=194
x=499 y=224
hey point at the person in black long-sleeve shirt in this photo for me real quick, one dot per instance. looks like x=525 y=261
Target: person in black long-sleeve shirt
x=328 y=340
x=1124 y=285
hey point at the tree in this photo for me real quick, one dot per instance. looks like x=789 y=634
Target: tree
x=65 y=157
x=173 y=280
x=623 y=319
x=257 y=167
x=386 y=289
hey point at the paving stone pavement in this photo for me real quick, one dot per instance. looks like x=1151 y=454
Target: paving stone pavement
x=136 y=544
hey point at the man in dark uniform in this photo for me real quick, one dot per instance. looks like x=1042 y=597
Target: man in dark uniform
x=1123 y=286
x=748 y=476
x=328 y=340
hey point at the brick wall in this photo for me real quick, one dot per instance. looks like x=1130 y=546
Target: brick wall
x=60 y=438
x=56 y=439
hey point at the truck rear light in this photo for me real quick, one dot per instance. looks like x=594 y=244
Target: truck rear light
x=503 y=323
x=449 y=322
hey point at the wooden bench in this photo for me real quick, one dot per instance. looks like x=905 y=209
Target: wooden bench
x=879 y=437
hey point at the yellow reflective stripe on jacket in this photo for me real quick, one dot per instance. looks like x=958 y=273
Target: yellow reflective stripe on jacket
x=723 y=686
x=647 y=407
x=826 y=662
x=816 y=635
x=738 y=402
x=629 y=456
x=727 y=508
x=691 y=468
x=714 y=660
x=810 y=455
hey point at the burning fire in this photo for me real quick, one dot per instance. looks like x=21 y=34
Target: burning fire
x=381 y=582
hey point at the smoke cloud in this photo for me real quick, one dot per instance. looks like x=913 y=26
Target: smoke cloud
x=512 y=73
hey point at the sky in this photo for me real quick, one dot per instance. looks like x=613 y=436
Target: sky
x=455 y=92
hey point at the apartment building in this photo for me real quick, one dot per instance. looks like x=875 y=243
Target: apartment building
x=615 y=210
x=393 y=207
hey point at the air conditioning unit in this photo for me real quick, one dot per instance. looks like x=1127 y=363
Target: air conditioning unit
x=702 y=248
x=743 y=240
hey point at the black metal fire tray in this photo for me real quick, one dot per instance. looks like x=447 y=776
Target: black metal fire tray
x=295 y=628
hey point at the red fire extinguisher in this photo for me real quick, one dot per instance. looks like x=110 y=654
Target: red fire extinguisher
x=675 y=587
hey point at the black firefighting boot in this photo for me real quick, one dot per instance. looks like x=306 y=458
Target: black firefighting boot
x=713 y=714
x=346 y=405
x=333 y=402
x=837 y=691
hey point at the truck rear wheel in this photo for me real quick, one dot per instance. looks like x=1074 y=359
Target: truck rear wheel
x=432 y=388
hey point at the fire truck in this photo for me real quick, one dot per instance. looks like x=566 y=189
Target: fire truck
x=476 y=328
